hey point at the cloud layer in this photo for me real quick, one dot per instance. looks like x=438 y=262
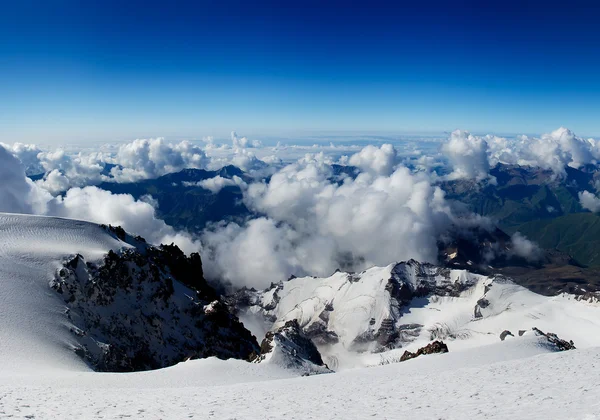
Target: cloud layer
x=311 y=219
x=471 y=156
x=20 y=195
x=314 y=226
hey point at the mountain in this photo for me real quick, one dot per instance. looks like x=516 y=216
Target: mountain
x=183 y=203
x=76 y=296
x=538 y=203
x=350 y=316
x=71 y=287
x=288 y=346
x=577 y=234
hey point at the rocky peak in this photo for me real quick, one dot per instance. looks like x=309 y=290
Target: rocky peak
x=148 y=308
x=289 y=347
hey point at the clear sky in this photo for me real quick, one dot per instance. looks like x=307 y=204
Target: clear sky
x=78 y=70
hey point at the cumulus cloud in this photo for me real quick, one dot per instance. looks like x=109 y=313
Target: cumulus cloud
x=28 y=155
x=376 y=160
x=524 y=248
x=18 y=194
x=135 y=216
x=217 y=183
x=313 y=226
x=589 y=201
x=471 y=156
x=151 y=158
x=243 y=142
x=467 y=155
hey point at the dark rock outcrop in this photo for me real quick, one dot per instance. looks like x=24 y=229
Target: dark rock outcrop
x=504 y=334
x=558 y=343
x=431 y=348
x=146 y=308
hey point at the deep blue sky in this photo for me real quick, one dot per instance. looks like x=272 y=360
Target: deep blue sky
x=75 y=70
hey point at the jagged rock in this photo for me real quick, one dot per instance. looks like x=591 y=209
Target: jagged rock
x=320 y=335
x=521 y=332
x=117 y=230
x=431 y=348
x=288 y=346
x=559 y=344
x=590 y=297
x=504 y=334
x=477 y=312
x=146 y=308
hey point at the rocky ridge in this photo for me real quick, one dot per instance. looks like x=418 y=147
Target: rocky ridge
x=146 y=308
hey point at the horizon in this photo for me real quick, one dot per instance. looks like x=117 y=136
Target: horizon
x=110 y=72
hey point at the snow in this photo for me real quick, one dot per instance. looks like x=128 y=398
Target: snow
x=447 y=386
x=481 y=376
x=33 y=334
x=360 y=302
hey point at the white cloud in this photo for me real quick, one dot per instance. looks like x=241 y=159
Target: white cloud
x=217 y=183
x=28 y=155
x=18 y=194
x=589 y=201
x=523 y=247
x=313 y=226
x=377 y=160
x=471 y=156
x=467 y=155
x=151 y=158
x=243 y=142
x=135 y=216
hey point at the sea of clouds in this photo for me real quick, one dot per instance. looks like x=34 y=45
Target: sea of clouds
x=311 y=220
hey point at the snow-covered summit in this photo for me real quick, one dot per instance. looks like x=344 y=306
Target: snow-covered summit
x=406 y=305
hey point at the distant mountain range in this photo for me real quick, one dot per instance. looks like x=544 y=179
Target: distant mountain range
x=538 y=204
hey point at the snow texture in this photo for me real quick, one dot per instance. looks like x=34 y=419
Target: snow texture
x=481 y=376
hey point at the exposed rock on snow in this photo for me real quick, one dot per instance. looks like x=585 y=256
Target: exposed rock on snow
x=146 y=308
x=505 y=334
x=361 y=311
x=431 y=348
x=350 y=316
x=289 y=347
x=561 y=345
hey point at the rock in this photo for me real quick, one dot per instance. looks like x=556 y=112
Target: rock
x=146 y=308
x=431 y=348
x=521 y=332
x=559 y=344
x=289 y=347
x=483 y=303
x=504 y=334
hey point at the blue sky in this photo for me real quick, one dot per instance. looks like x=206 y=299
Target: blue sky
x=78 y=71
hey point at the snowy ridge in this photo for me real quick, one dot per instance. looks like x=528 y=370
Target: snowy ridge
x=406 y=305
x=32 y=328
x=74 y=292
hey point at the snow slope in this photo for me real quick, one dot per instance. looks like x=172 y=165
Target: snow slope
x=33 y=334
x=493 y=382
x=140 y=308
